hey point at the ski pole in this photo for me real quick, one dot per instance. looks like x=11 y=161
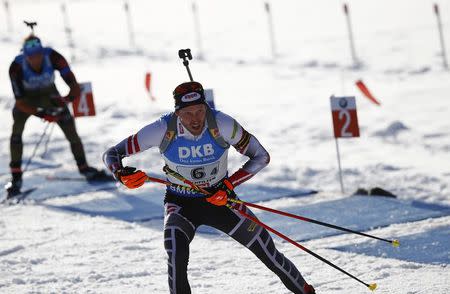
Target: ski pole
x=394 y=242
x=372 y=286
x=186 y=55
x=171 y=172
x=179 y=177
x=167 y=183
x=161 y=181
x=47 y=141
x=36 y=147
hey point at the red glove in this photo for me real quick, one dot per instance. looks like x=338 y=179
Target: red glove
x=131 y=177
x=219 y=198
x=224 y=190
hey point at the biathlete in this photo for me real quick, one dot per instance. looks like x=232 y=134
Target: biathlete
x=194 y=141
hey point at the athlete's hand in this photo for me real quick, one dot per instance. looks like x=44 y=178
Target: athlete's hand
x=224 y=190
x=63 y=100
x=131 y=177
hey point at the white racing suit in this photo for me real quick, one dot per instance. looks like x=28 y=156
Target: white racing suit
x=203 y=160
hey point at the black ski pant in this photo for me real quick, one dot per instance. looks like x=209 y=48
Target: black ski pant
x=67 y=125
x=184 y=215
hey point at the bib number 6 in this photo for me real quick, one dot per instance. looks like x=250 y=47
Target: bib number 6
x=198 y=173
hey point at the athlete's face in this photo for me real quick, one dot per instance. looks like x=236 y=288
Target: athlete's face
x=193 y=118
x=35 y=61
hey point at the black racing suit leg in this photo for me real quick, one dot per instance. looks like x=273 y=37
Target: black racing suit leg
x=178 y=234
x=16 y=145
x=67 y=125
x=257 y=240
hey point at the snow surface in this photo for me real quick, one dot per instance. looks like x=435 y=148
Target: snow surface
x=77 y=238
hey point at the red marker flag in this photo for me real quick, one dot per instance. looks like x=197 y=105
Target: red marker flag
x=362 y=87
x=148 y=81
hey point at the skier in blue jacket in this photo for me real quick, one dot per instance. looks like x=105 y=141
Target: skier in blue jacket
x=32 y=75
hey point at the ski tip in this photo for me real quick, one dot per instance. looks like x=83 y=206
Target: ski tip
x=372 y=286
x=395 y=243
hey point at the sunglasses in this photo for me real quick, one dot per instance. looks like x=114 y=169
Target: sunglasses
x=33 y=43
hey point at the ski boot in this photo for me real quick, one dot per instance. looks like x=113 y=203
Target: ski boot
x=13 y=187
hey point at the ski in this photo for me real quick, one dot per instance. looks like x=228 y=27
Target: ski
x=19 y=197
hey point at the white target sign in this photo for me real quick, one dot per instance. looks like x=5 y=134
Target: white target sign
x=84 y=105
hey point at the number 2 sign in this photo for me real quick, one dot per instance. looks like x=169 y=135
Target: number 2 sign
x=345 y=119
x=84 y=105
